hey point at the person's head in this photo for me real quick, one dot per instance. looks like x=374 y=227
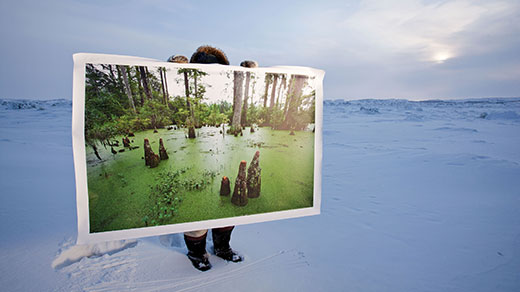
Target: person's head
x=209 y=55
x=249 y=64
x=178 y=59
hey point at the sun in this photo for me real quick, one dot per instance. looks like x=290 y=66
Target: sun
x=441 y=56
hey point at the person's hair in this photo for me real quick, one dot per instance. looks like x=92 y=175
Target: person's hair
x=178 y=59
x=209 y=55
x=249 y=64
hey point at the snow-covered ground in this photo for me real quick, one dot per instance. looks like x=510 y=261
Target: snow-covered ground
x=417 y=196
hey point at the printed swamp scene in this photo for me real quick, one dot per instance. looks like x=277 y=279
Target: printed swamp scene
x=168 y=145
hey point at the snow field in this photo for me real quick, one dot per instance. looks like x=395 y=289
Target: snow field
x=417 y=196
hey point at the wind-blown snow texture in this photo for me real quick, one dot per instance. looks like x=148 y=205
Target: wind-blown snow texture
x=417 y=196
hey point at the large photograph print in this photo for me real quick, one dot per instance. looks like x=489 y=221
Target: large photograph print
x=163 y=147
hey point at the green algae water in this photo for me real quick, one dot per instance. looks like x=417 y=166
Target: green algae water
x=121 y=187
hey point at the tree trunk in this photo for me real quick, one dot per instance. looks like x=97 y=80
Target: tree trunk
x=293 y=100
x=162 y=86
x=237 y=100
x=283 y=85
x=243 y=119
x=191 y=123
x=127 y=88
x=267 y=81
x=144 y=78
x=140 y=81
x=273 y=91
x=166 y=84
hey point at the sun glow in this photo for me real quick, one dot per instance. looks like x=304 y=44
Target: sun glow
x=441 y=56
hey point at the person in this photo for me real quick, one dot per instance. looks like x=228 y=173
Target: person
x=196 y=240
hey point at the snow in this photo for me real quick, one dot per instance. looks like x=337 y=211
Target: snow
x=417 y=196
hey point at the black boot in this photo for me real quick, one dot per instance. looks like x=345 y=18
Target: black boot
x=197 y=252
x=221 y=238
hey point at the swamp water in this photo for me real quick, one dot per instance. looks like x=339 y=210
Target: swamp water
x=121 y=187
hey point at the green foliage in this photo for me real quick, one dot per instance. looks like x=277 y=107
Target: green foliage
x=157 y=113
x=168 y=192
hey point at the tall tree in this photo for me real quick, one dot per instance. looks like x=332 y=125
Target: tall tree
x=165 y=98
x=283 y=85
x=243 y=119
x=144 y=78
x=267 y=82
x=294 y=99
x=190 y=123
x=166 y=83
x=140 y=84
x=238 y=79
x=127 y=87
x=273 y=91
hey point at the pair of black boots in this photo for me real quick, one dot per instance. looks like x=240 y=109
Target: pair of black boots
x=197 y=248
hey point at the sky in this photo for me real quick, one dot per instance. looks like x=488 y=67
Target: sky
x=408 y=49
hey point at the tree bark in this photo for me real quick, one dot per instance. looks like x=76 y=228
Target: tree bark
x=162 y=86
x=140 y=81
x=243 y=119
x=166 y=84
x=267 y=81
x=253 y=177
x=238 y=78
x=162 y=151
x=273 y=91
x=283 y=85
x=293 y=100
x=225 y=188
x=127 y=88
x=240 y=192
x=146 y=86
x=150 y=158
x=191 y=123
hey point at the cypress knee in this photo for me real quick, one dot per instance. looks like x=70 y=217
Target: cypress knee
x=150 y=158
x=225 y=188
x=147 y=150
x=240 y=192
x=126 y=142
x=191 y=132
x=154 y=160
x=254 y=177
x=162 y=151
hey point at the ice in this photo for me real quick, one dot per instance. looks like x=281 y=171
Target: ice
x=420 y=196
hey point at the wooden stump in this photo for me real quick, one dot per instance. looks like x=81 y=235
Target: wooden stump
x=240 y=192
x=191 y=132
x=126 y=142
x=150 y=158
x=162 y=151
x=254 y=177
x=225 y=188
x=154 y=161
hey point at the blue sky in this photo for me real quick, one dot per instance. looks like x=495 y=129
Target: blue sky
x=369 y=49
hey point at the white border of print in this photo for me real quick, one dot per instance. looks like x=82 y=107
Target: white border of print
x=78 y=142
